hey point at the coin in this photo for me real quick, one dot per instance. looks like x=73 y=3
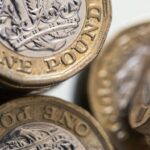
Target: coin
x=45 y=42
x=140 y=108
x=112 y=81
x=41 y=122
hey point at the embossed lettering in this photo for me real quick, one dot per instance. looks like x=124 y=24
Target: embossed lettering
x=8 y=120
x=81 y=46
x=73 y=123
x=94 y=12
x=25 y=66
x=68 y=120
x=89 y=30
x=82 y=129
x=68 y=58
x=50 y=113
x=12 y=62
x=8 y=61
x=51 y=64
x=24 y=114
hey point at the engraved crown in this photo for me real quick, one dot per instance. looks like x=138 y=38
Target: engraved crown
x=36 y=24
x=22 y=139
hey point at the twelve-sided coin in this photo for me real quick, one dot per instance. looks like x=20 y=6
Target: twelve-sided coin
x=43 y=123
x=46 y=41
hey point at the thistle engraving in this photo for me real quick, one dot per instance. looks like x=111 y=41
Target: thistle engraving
x=38 y=25
x=40 y=136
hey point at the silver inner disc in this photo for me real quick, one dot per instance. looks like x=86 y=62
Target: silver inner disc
x=38 y=28
x=40 y=136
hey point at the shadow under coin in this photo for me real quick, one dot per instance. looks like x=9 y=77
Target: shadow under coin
x=80 y=95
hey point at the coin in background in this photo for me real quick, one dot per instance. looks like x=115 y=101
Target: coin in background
x=40 y=122
x=44 y=42
x=112 y=83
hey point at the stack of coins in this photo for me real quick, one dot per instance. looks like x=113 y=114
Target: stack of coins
x=44 y=42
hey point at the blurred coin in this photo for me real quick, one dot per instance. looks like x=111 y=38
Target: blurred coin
x=44 y=42
x=42 y=123
x=112 y=83
x=140 y=108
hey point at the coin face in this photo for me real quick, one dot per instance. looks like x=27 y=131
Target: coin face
x=37 y=28
x=112 y=82
x=49 y=123
x=49 y=40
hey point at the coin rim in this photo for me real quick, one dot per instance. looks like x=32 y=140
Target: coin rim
x=72 y=108
x=18 y=81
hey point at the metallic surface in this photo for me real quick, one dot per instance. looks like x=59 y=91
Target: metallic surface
x=38 y=28
x=40 y=136
x=40 y=122
x=140 y=108
x=44 y=42
x=124 y=16
x=112 y=83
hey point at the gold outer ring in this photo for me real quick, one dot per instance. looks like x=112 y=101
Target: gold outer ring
x=25 y=72
x=102 y=85
x=54 y=110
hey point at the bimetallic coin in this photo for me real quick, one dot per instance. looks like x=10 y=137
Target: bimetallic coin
x=112 y=82
x=140 y=108
x=47 y=41
x=41 y=123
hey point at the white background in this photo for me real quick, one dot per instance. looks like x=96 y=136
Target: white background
x=125 y=14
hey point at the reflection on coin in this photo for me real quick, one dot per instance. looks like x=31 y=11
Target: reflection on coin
x=40 y=122
x=140 y=108
x=112 y=82
x=44 y=42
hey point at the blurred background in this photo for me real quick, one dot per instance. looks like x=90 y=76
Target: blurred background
x=125 y=13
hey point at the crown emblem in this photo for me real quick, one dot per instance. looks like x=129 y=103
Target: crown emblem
x=32 y=138
x=38 y=25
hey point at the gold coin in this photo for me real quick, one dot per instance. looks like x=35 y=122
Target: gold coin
x=44 y=42
x=112 y=82
x=40 y=122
